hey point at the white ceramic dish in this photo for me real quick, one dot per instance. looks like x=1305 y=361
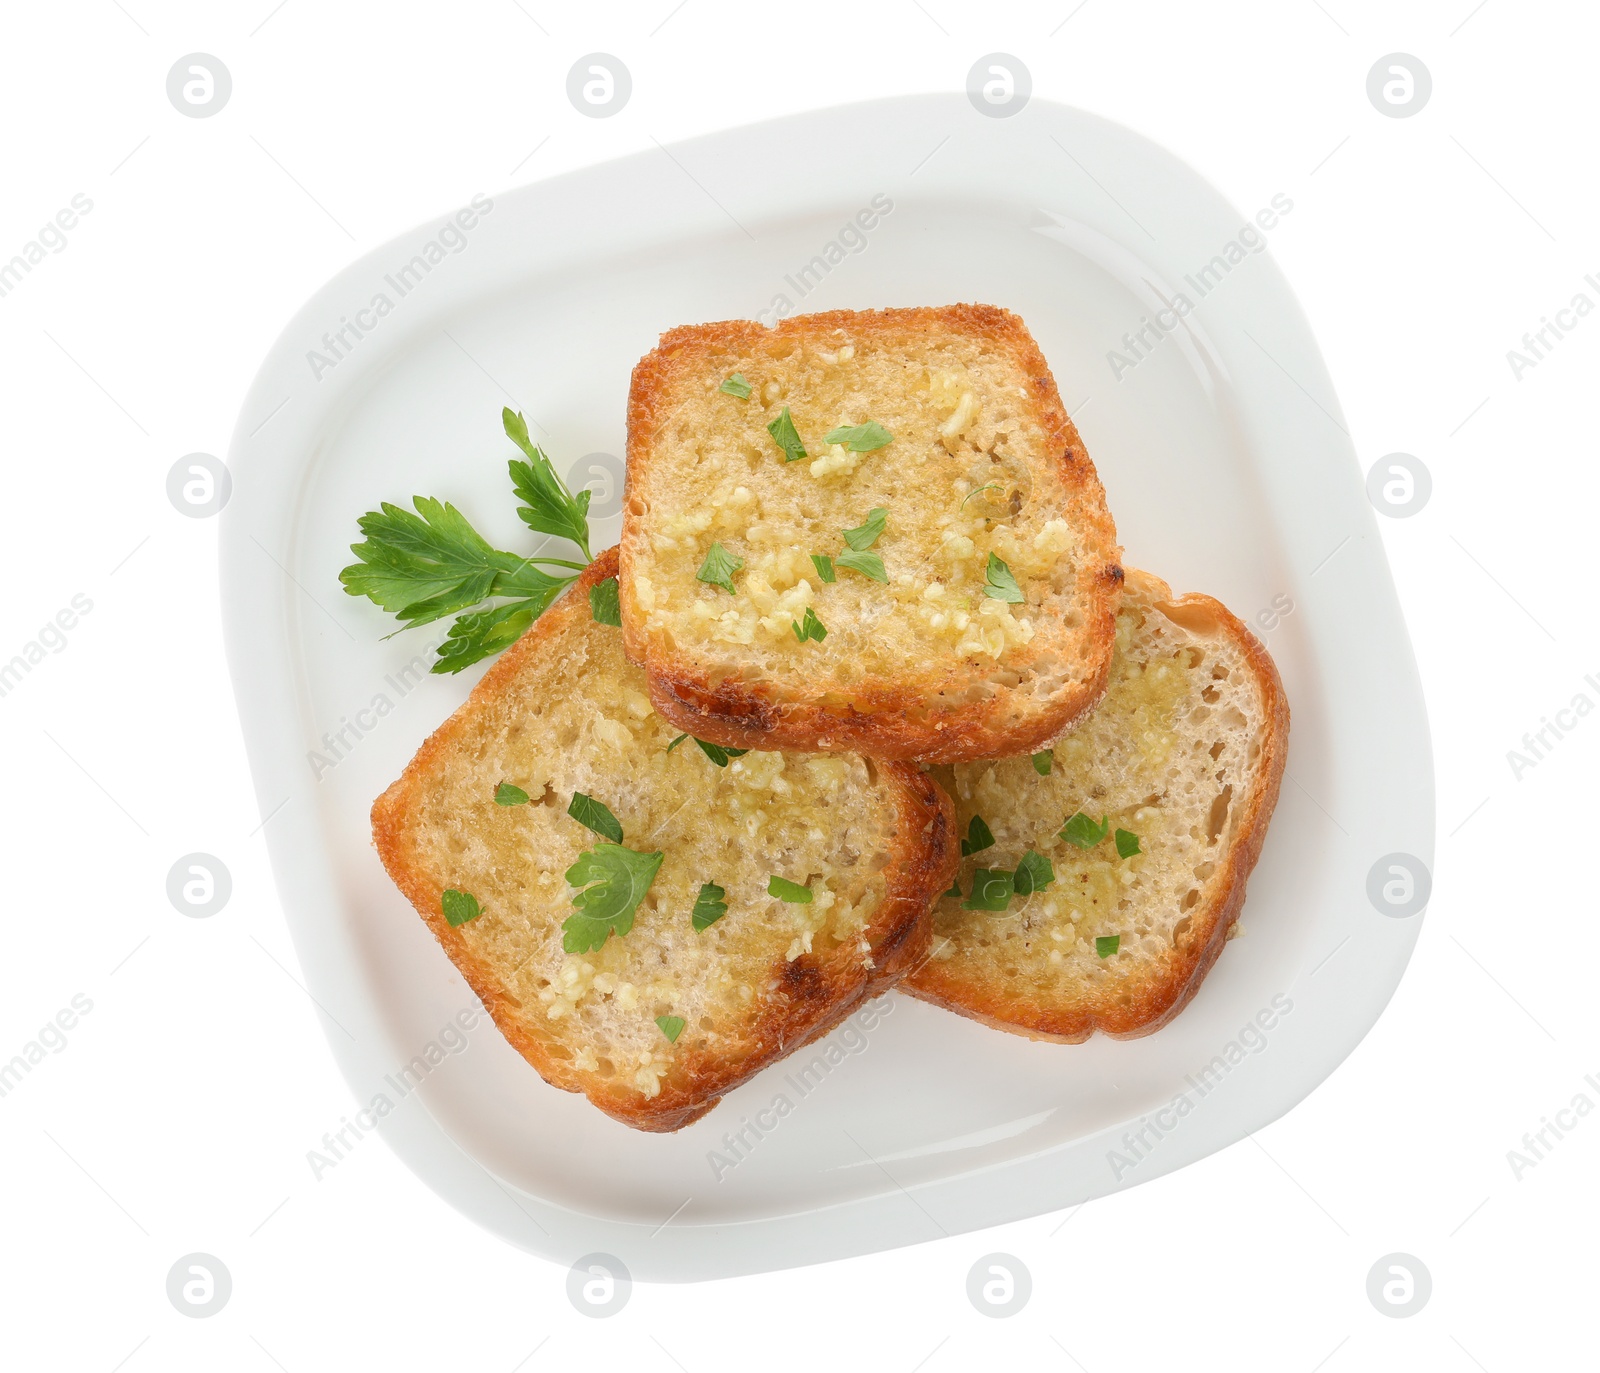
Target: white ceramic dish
x=1228 y=471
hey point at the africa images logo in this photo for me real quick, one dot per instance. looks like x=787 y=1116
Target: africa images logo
x=1140 y=1142
x=449 y=239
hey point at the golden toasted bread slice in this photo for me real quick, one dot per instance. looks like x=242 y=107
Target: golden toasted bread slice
x=657 y=1022
x=1150 y=819
x=872 y=530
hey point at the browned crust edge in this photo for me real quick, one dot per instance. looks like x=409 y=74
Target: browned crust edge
x=817 y=991
x=1159 y=1001
x=894 y=719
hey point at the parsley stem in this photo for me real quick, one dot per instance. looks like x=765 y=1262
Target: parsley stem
x=558 y=562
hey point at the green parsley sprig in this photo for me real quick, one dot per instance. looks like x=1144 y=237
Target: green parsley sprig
x=1034 y=873
x=869 y=565
x=610 y=882
x=999 y=582
x=791 y=892
x=459 y=907
x=786 y=436
x=605 y=603
x=595 y=815
x=856 y=558
x=864 y=535
x=430 y=563
x=1082 y=832
x=719 y=567
x=709 y=907
x=979 y=837
x=715 y=752
x=992 y=890
x=809 y=627
x=860 y=438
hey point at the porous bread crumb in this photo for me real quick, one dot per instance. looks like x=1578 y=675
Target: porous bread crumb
x=983 y=462
x=947 y=443
x=511 y=858
x=580 y=720
x=1174 y=753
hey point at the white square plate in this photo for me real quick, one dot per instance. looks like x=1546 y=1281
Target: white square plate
x=1228 y=471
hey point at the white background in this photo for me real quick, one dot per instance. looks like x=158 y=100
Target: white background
x=178 y=1116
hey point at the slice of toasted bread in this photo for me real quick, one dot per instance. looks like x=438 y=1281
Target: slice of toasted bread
x=562 y=712
x=983 y=463
x=1186 y=753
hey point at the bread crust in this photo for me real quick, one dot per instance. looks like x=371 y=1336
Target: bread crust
x=815 y=992
x=884 y=717
x=1156 y=1002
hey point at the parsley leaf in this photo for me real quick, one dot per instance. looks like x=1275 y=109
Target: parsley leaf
x=867 y=564
x=1042 y=762
x=459 y=906
x=736 y=385
x=792 y=892
x=1001 y=585
x=671 y=1026
x=605 y=603
x=719 y=755
x=1034 y=873
x=955 y=886
x=593 y=815
x=810 y=627
x=1107 y=944
x=547 y=506
x=709 y=906
x=865 y=534
x=991 y=891
x=824 y=565
x=1127 y=843
x=787 y=437
x=718 y=569
x=1082 y=832
x=860 y=438
x=715 y=752
x=979 y=837
x=484 y=633
x=422 y=567
x=614 y=881
x=507 y=795
x=426 y=564
x=991 y=486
